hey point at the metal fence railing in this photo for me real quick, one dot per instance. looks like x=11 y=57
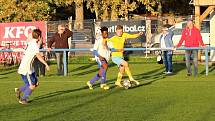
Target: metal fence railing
x=206 y=50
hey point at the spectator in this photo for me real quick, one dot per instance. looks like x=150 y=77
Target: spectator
x=192 y=38
x=39 y=67
x=166 y=42
x=60 y=39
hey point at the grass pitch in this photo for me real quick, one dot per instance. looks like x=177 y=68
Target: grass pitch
x=158 y=98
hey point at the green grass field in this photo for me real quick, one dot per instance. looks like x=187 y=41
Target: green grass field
x=158 y=98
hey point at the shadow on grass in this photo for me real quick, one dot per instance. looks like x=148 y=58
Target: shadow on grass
x=9 y=72
x=3 y=77
x=57 y=93
x=177 y=67
x=83 y=67
x=93 y=70
x=72 y=108
x=210 y=69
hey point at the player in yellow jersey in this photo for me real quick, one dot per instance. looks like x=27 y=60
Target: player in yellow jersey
x=117 y=55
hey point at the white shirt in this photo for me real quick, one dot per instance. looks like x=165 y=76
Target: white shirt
x=27 y=60
x=163 y=45
x=102 y=49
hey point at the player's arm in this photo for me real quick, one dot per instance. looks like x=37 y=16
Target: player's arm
x=132 y=36
x=40 y=58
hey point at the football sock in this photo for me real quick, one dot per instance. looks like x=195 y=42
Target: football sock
x=103 y=76
x=95 y=78
x=119 y=77
x=127 y=71
x=28 y=91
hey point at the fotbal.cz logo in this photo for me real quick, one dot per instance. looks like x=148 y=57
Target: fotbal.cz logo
x=126 y=28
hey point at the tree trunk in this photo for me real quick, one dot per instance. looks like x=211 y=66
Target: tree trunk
x=79 y=12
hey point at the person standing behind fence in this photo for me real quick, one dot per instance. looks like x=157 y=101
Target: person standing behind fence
x=60 y=39
x=192 y=38
x=38 y=66
x=166 y=42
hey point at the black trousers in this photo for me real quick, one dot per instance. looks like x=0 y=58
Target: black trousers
x=39 y=67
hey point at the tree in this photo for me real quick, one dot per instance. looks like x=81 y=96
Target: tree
x=25 y=10
x=106 y=9
x=78 y=10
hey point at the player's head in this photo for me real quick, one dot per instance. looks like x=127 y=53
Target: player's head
x=119 y=30
x=190 y=24
x=36 y=34
x=61 y=28
x=165 y=28
x=104 y=32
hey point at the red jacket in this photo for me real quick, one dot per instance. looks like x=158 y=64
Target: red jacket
x=191 y=37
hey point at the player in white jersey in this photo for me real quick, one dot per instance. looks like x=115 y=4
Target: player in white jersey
x=26 y=69
x=101 y=52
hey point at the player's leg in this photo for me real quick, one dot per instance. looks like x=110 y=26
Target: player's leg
x=21 y=89
x=33 y=83
x=102 y=73
x=96 y=77
x=118 y=61
x=119 y=76
x=128 y=72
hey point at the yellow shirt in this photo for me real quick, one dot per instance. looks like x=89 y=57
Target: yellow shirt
x=118 y=42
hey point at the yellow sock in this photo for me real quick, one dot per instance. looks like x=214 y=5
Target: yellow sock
x=127 y=71
x=119 y=77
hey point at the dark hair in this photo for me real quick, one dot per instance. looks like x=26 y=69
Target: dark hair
x=104 y=29
x=119 y=27
x=36 y=33
x=166 y=26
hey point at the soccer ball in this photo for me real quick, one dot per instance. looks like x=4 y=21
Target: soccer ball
x=126 y=84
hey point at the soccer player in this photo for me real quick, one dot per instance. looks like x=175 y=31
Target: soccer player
x=101 y=52
x=117 y=57
x=26 y=69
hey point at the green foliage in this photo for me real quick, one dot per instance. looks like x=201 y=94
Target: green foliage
x=25 y=10
x=105 y=9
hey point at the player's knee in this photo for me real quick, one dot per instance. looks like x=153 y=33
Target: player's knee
x=32 y=87
x=125 y=64
x=99 y=74
x=121 y=69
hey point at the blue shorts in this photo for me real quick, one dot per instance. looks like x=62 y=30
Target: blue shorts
x=30 y=79
x=118 y=60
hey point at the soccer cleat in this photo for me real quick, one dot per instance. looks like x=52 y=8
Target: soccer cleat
x=23 y=101
x=17 y=93
x=104 y=86
x=189 y=74
x=118 y=84
x=90 y=85
x=168 y=73
x=137 y=83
